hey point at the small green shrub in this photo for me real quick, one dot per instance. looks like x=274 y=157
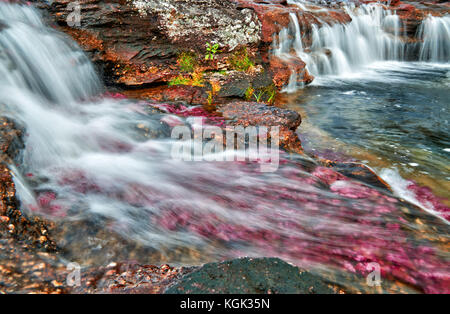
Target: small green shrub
x=259 y=95
x=187 y=61
x=211 y=51
x=240 y=61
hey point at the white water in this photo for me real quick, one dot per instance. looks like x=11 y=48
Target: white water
x=435 y=33
x=88 y=151
x=400 y=188
x=373 y=35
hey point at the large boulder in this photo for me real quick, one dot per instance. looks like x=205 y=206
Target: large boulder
x=251 y=276
x=259 y=114
x=138 y=42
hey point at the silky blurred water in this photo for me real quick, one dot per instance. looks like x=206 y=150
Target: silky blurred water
x=103 y=169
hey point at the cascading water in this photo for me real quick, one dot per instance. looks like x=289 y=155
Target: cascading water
x=435 y=33
x=95 y=158
x=373 y=35
x=341 y=49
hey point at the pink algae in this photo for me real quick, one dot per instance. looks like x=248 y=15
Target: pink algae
x=309 y=215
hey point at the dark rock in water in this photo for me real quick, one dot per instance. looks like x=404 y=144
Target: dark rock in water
x=360 y=172
x=282 y=71
x=259 y=114
x=250 y=276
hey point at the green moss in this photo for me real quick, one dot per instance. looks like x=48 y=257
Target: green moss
x=240 y=61
x=179 y=80
x=194 y=79
x=187 y=61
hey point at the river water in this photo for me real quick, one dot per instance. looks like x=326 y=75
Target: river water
x=392 y=114
x=106 y=163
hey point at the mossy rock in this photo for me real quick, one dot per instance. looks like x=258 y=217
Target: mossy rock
x=250 y=276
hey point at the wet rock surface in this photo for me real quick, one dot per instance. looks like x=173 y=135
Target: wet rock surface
x=257 y=114
x=137 y=43
x=282 y=71
x=27 y=260
x=27 y=247
x=33 y=230
x=251 y=276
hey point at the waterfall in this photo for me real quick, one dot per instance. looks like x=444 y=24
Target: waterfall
x=374 y=34
x=435 y=33
x=27 y=64
x=97 y=158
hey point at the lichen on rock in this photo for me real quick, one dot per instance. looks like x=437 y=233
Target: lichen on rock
x=213 y=20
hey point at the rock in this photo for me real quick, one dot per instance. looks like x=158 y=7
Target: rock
x=361 y=173
x=186 y=94
x=130 y=278
x=250 y=276
x=413 y=13
x=283 y=69
x=21 y=227
x=259 y=114
x=138 y=42
x=235 y=85
x=274 y=16
x=197 y=22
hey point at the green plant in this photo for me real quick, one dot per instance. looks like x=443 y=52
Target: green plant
x=210 y=97
x=195 y=79
x=187 y=61
x=211 y=51
x=271 y=97
x=240 y=61
x=249 y=93
x=259 y=95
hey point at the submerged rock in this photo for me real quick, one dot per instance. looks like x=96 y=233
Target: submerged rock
x=251 y=276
